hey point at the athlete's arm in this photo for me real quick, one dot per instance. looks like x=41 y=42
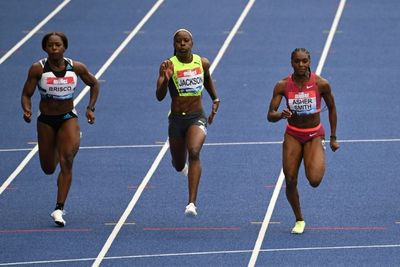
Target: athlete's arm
x=31 y=82
x=210 y=87
x=326 y=93
x=90 y=80
x=165 y=74
x=273 y=114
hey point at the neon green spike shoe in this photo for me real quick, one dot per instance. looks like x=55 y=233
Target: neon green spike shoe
x=299 y=227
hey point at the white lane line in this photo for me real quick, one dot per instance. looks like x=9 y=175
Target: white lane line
x=85 y=90
x=130 y=206
x=267 y=219
x=232 y=34
x=211 y=144
x=165 y=147
x=33 y=31
x=221 y=252
x=331 y=34
x=18 y=169
x=281 y=177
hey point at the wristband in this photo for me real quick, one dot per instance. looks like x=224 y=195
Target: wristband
x=333 y=137
x=91 y=109
x=216 y=100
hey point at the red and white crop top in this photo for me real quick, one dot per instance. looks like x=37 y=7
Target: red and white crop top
x=305 y=100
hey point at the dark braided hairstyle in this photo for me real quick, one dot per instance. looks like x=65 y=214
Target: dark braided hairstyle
x=59 y=34
x=301 y=49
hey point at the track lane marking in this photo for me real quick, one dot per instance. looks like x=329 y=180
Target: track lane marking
x=281 y=177
x=210 y=144
x=165 y=147
x=33 y=31
x=202 y=253
x=86 y=89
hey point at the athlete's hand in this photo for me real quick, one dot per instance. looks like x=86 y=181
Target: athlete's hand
x=90 y=116
x=286 y=113
x=211 y=117
x=167 y=69
x=27 y=116
x=214 y=110
x=334 y=144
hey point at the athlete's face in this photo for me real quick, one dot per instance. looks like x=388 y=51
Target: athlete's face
x=183 y=43
x=55 y=46
x=301 y=63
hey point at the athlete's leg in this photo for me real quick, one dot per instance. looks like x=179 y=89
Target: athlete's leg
x=177 y=147
x=177 y=143
x=68 y=141
x=47 y=147
x=314 y=161
x=292 y=156
x=195 y=139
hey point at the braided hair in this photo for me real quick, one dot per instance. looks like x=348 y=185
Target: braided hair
x=304 y=50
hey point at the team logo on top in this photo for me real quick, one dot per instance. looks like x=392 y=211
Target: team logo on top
x=60 y=80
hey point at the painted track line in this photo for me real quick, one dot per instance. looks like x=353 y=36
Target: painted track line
x=18 y=169
x=86 y=89
x=200 y=253
x=4 y=58
x=281 y=177
x=33 y=31
x=165 y=147
x=212 y=144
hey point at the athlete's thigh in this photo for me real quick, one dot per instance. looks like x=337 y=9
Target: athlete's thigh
x=68 y=137
x=177 y=147
x=195 y=137
x=47 y=143
x=314 y=156
x=292 y=153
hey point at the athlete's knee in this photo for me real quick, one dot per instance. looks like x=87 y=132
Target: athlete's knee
x=48 y=168
x=66 y=161
x=178 y=166
x=314 y=178
x=291 y=182
x=315 y=182
x=194 y=154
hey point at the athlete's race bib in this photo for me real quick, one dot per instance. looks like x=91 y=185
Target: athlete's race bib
x=303 y=103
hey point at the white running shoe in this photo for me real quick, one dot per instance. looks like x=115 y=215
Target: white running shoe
x=57 y=216
x=185 y=170
x=190 y=210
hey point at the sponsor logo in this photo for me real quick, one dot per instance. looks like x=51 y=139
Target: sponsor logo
x=188 y=72
x=202 y=127
x=60 y=80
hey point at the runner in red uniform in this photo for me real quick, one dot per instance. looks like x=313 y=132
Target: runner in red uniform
x=304 y=138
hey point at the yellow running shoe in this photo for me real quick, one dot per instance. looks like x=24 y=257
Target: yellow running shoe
x=299 y=227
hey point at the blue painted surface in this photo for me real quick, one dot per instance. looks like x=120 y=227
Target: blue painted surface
x=356 y=204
